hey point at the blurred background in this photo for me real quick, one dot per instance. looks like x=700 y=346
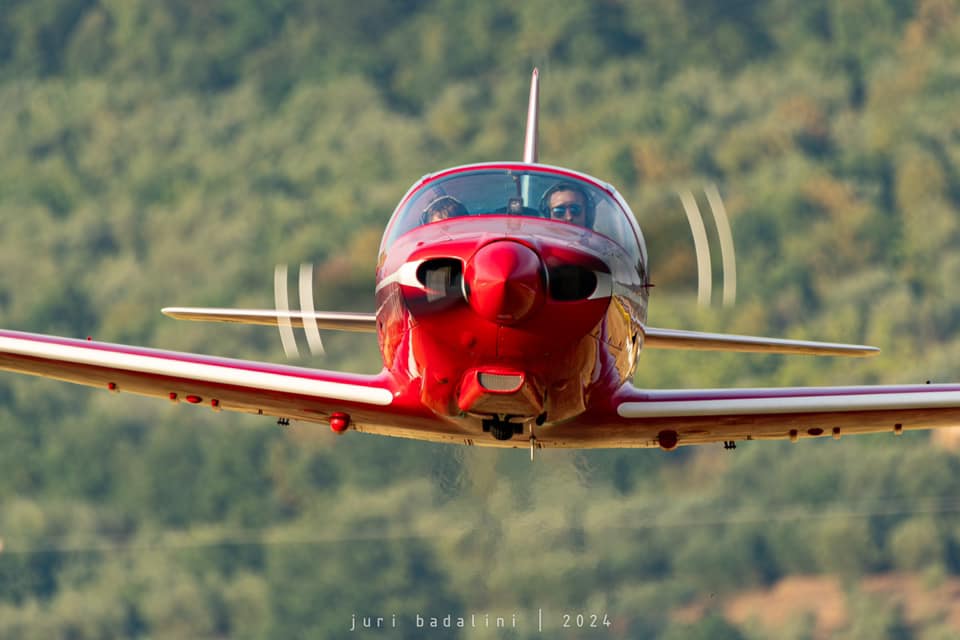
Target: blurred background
x=171 y=153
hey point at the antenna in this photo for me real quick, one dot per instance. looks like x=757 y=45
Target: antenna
x=530 y=140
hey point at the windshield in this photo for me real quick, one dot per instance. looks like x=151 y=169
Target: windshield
x=485 y=192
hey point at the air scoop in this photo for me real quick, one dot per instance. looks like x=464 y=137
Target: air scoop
x=504 y=282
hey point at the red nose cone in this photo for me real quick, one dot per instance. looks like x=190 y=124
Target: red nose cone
x=505 y=282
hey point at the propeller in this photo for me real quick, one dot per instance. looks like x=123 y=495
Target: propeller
x=306 y=305
x=282 y=304
x=702 y=246
x=283 y=308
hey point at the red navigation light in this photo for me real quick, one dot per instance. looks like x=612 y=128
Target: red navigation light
x=339 y=421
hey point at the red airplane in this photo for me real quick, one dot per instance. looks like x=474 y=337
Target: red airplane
x=511 y=311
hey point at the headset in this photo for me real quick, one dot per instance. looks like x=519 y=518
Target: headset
x=451 y=205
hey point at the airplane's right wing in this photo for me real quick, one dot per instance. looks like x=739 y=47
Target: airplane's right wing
x=671 y=417
x=334 y=320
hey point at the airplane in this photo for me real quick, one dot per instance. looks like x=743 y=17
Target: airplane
x=511 y=306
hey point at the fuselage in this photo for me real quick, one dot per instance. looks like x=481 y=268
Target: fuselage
x=489 y=307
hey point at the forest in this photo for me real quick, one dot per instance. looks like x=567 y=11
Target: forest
x=171 y=153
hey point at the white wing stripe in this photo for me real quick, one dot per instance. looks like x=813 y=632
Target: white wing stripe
x=803 y=404
x=197 y=371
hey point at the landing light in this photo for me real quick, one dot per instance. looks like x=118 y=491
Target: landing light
x=504 y=383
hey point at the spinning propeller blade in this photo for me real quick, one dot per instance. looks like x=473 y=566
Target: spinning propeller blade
x=726 y=244
x=701 y=244
x=307 y=317
x=283 y=311
x=306 y=305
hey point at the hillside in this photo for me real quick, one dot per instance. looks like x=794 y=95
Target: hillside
x=172 y=153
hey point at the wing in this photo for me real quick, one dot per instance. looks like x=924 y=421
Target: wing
x=699 y=341
x=374 y=403
x=668 y=418
x=335 y=320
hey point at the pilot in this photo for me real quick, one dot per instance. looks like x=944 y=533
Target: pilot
x=568 y=202
x=442 y=208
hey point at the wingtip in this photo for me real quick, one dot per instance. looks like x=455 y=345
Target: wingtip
x=177 y=313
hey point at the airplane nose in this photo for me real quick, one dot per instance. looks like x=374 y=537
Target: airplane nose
x=504 y=282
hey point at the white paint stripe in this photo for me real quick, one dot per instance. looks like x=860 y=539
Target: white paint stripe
x=803 y=404
x=604 y=286
x=283 y=309
x=405 y=275
x=219 y=374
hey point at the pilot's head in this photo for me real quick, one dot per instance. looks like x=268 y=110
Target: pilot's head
x=442 y=208
x=568 y=202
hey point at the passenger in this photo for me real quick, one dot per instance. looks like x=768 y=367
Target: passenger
x=442 y=208
x=568 y=202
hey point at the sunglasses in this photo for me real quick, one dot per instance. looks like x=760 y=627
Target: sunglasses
x=558 y=211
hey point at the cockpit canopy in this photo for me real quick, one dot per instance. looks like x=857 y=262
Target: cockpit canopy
x=515 y=191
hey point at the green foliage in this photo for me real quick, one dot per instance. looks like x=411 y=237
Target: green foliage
x=173 y=153
x=713 y=626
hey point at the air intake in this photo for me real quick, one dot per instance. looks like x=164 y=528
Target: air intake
x=441 y=277
x=572 y=282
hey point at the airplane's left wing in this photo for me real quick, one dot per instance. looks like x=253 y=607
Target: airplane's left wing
x=372 y=402
x=669 y=418
x=335 y=320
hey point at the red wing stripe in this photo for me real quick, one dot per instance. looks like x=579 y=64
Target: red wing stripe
x=222 y=374
x=784 y=404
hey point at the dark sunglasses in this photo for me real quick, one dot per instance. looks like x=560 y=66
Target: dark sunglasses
x=558 y=211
